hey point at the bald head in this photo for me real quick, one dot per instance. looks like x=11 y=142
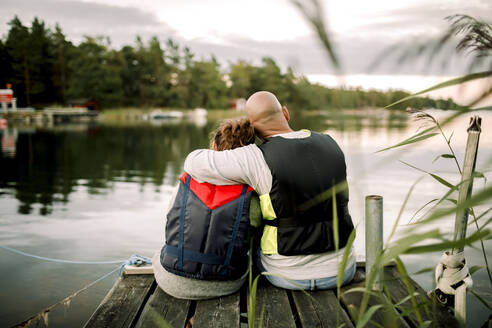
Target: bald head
x=262 y=104
x=266 y=114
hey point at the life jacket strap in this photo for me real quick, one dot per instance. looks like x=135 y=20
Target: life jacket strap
x=291 y=222
x=194 y=256
x=181 y=222
x=235 y=230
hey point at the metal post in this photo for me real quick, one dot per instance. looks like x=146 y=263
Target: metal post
x=374 y=237
x=467 y=178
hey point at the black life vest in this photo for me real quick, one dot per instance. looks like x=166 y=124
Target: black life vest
x=304 y=171
x=207 y=231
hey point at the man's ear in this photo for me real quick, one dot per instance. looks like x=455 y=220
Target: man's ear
x=214 y=145
x=285 y=111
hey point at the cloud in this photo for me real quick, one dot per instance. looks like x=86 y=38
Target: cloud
x=307 y=56
x=420 y=20
x=358 y=44
x=85 y=18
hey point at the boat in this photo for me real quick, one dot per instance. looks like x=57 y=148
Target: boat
x=163 y=115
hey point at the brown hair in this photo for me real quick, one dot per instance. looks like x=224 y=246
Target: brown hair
x=234 y=133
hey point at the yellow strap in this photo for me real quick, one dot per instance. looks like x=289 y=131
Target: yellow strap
x=269 y=237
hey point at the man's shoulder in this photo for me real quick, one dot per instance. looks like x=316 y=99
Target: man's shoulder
x=299 y=134
x=296 y=140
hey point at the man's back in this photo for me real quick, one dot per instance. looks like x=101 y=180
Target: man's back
x=306 y=173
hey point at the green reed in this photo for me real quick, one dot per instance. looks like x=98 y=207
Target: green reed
x=476 y=40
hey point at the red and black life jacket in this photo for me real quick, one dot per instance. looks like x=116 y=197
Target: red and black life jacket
x=207 y=231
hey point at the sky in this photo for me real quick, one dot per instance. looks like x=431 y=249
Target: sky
x=361 y=31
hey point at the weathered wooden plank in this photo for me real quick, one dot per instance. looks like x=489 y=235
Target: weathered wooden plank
x=163 y=310
x=122 y=304
x=143 y=269
x=385 y=316
x=397 y=291
x=319 y=309
x=218 y=312
x=274 y=303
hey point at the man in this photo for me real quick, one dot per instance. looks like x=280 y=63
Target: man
x=295 y=173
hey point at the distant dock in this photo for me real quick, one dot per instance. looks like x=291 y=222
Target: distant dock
x=50 y=116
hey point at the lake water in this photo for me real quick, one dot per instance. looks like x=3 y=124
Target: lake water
x=99 y=192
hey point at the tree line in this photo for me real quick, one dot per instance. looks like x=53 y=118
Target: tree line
x=45 y=68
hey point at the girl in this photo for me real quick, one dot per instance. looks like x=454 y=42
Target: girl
x=206 y=250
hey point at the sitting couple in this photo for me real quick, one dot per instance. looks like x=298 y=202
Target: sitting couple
x=206 y=250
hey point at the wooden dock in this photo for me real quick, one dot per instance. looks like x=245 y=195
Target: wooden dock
x=52 y=116
x=136 y=301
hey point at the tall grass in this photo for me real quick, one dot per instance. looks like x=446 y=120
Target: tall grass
x=477 y=37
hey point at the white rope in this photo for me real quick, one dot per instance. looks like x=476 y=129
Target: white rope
x=450 y=271
x=135 y=259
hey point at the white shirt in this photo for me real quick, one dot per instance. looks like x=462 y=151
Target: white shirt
x=247 y=165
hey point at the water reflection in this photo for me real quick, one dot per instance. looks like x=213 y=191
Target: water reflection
x=372 y=120
x=9 y=142
x=44 y=166
x=49 y=164
x=100 y=191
